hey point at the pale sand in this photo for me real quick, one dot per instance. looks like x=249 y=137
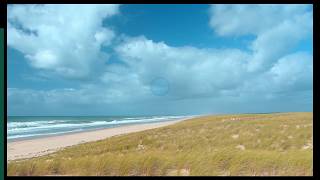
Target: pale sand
x=41 y=146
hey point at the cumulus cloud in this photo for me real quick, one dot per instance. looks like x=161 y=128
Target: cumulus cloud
x=293 y=72
x=193 y=72
x=189 y=71
x=278 y=28
x=65 y=39
x=230 y=20
x=272 y=72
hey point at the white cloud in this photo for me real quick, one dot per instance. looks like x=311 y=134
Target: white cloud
x=193 y=72
x=278 y=28
x=104 y=36
x=293 y=72
x=220 y=76
x=65 y=39
x=272 y=73
x=43 y=59
x=189 y=71
x=243 y=19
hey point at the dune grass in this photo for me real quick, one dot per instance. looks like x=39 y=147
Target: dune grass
x=244 y=144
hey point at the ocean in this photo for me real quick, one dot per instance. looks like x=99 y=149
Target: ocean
x=26 y=127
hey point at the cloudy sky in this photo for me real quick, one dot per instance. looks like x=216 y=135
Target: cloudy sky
x=159 y=59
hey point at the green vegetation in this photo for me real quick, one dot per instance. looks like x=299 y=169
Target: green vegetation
x=246 y=144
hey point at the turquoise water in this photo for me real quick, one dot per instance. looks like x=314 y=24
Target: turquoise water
x=21 y=127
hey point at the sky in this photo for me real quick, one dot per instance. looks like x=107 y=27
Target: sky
x=158 y=59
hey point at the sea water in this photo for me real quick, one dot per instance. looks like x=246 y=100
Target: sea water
x=23 y=127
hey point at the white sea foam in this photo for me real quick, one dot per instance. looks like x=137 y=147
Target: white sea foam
x=40 y=134
x=57 y=126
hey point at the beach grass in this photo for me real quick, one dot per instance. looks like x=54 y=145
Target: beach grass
x=226 y=145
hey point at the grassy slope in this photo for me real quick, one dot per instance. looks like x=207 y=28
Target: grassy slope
x=257 y=144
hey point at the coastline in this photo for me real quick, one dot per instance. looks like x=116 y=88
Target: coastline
x=28 y=148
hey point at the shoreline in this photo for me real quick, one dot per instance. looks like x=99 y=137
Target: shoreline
x=28 y=148
x=76 y=132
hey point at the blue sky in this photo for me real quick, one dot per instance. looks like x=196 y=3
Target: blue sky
x=159 y=59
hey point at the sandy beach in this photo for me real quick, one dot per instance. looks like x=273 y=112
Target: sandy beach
x=41 y=146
